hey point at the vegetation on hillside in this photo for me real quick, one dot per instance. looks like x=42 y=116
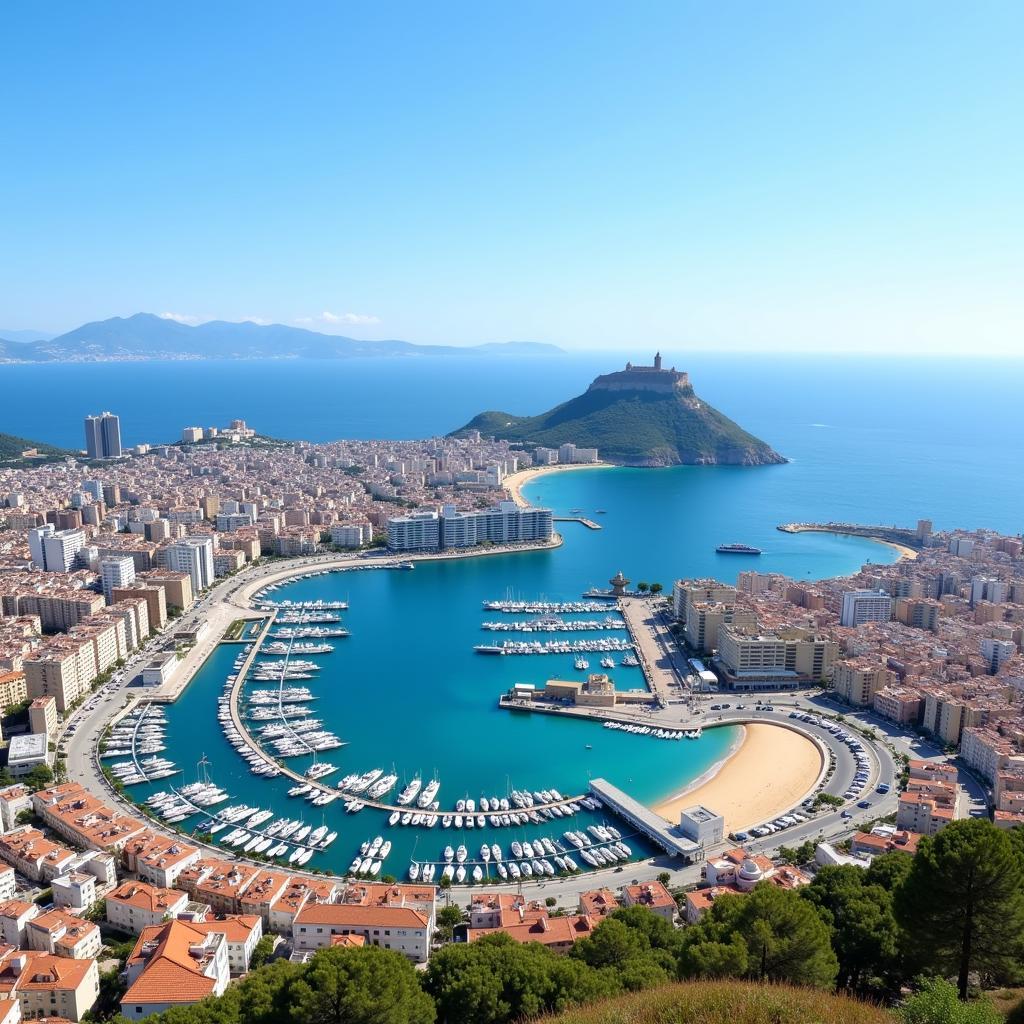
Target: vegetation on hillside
x=635 y=428
x=719 y=1002
x=11 y=448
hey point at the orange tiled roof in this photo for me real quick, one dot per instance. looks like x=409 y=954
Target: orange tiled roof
x=171 y=974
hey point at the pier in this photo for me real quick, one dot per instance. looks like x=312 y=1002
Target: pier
x=588 y=523
x=645 y=821
x=655 y=647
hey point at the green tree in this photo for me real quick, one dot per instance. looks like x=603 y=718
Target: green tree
x=39 y=777
x=643 y=586
x=447 y=919
x=497 y=980
x=262 y=952
x=962 y=904
x=366 y=985
x=865 y=936
x=890 y=870
x=938 y=1003
x=664 y=877
x=656 y=588
x=785 y=938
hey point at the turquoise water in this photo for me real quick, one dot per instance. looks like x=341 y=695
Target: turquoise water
x=407 y=690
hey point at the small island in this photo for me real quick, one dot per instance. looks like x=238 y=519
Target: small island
x=638 y=416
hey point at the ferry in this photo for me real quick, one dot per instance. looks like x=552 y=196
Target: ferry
x=737 y=549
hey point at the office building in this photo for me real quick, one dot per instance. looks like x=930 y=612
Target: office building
x=116 y=572
x=193 y=555
x=860 y=606
x=103 y=436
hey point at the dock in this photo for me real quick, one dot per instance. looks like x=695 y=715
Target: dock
x=655 y=647
x=588 y=523
x=645 y=821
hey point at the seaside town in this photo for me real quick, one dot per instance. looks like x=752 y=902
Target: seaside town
x=101 y=554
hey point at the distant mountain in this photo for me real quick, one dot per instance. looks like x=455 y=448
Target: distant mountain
x=640 y=416
x=11 y=448
x=145 y=336
x=25 y=336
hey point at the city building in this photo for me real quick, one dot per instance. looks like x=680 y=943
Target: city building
x=175 y=964
x=134 y=906
x=103 y=436
x=49 y=987
x=860 y=606
x=194 y=556
x=116 y=573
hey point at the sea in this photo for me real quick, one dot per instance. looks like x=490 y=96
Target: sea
x=871 y=441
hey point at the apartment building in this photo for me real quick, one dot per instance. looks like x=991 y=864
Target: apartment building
x=49 y=986
x=118 y=573
x=931 y=800
x=860 y=606
x=899 y=704
x=135 y=906
x=773 y=661
x=858 y=680
x=193 y=555
x=175 y=964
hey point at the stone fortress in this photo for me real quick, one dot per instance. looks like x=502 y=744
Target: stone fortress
x=644 y=378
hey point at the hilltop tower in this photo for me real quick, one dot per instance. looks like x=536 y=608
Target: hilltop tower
x=657 y=360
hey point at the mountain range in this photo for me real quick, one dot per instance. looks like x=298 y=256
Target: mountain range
x=640 y=416
x=146 y=336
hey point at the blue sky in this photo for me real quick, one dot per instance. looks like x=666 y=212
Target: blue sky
x=733 y=176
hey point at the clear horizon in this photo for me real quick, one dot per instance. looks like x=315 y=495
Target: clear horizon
x=793 y=179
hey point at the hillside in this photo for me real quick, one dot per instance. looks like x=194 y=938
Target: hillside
x=643 y=416
x=145 y=336
x=726 y=1002
x=11 y=448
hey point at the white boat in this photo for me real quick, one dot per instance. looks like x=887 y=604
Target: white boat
x=502 y=870
x=496 y=852
x=478 y=873
x=460 y=874
x=461 y=853
x=414 y=871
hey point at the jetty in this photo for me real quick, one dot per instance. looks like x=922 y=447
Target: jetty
x=655 y=647
x=588 y=523
x=900 y=535
x=645 y=821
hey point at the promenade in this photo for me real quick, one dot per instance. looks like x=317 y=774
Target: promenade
x=663 y=665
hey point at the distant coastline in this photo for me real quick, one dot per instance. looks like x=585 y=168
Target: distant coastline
x=864 y=533
x=515 y=482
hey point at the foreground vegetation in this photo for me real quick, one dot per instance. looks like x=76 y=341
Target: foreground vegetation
x=718 y=1002
x=918 y=934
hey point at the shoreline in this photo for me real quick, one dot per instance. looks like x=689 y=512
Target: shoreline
x=903 y=549
x=515 y=482
x=739 y=788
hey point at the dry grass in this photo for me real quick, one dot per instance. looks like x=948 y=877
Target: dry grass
x=727 y=1002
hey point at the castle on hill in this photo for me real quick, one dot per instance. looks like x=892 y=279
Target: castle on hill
x=643 y=378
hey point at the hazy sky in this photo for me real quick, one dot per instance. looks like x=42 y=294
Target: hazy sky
x=724 y=175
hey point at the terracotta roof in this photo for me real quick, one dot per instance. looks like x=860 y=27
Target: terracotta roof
x=355 y=914
x=171 y=974
x=549 y=931
x=146 y=897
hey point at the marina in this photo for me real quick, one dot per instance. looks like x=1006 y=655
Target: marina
x=413 y=670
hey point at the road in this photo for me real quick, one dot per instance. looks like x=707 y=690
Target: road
x=233 y=594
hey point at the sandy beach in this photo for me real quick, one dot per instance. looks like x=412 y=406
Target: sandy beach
x=769 y=772
x=515 y=483
x=903 y=549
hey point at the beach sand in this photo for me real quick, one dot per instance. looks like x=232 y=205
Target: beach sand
x=769 y=773
x=515 y=483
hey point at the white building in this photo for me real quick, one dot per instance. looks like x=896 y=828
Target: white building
x=192 y=434
x=55 y=550
x=116 y=572
x=193 y=555
x=420 y=531
x=351 y=535
x=996 y=651
x=861 y=606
